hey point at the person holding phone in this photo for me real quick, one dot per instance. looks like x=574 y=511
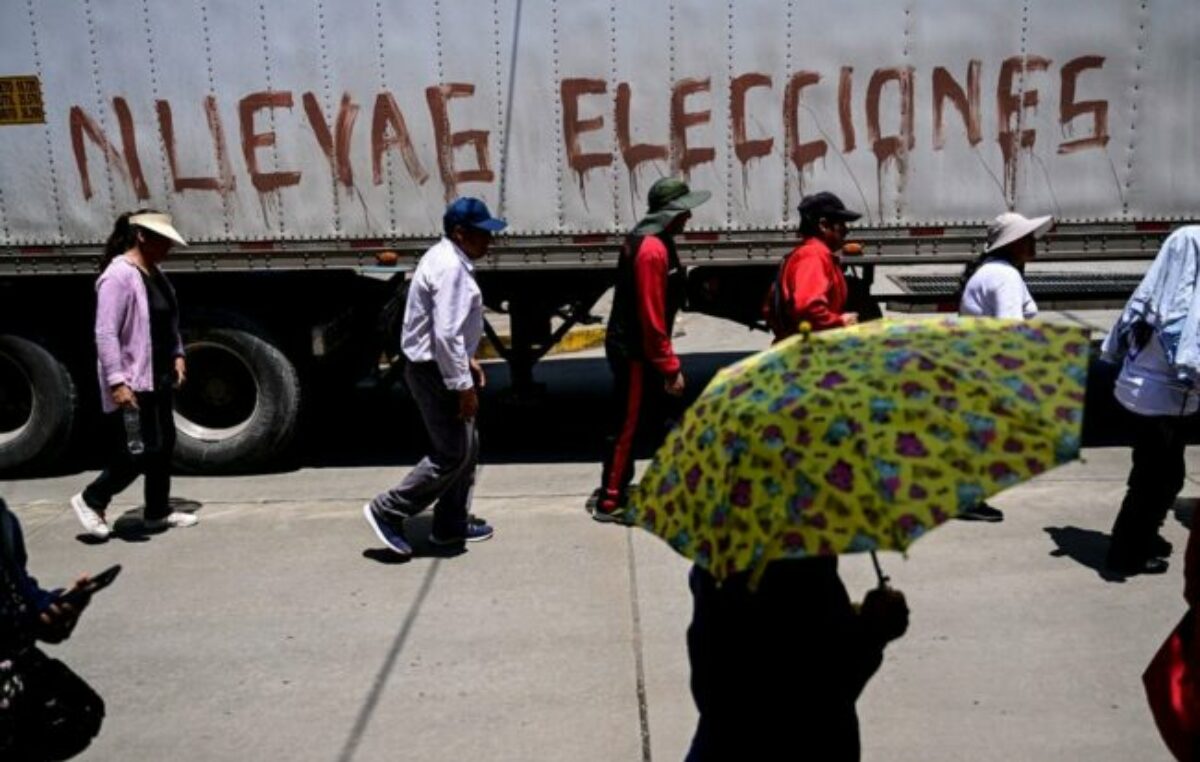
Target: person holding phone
x=140 y=361
x=30 y=681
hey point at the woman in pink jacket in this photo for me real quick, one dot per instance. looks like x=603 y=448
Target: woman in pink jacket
x=140 y=362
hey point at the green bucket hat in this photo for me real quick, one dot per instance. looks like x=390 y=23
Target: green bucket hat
x=668 y=198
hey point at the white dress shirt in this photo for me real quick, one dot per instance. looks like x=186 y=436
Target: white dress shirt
x=997 y=289
x=443 y=319
x=1148 y=386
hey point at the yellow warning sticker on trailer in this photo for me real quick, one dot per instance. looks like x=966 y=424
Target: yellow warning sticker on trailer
x=21 y=101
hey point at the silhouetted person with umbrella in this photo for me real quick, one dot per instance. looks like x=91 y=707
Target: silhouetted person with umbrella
x=777 y=669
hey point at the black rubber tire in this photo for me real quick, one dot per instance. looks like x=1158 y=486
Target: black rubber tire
x=53 y=405
x=248 y=428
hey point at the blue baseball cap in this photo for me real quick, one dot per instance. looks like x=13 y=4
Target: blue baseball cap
x=473 y=213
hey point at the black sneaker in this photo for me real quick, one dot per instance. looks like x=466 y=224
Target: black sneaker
x=612 y=515
x=981 y=512
x=391 y=536
x=1132 y=567
x=478 y=530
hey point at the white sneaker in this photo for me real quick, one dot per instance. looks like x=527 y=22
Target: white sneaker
x=173 y=520
x=93 y=522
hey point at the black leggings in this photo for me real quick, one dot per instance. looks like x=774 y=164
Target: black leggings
x=158 y=435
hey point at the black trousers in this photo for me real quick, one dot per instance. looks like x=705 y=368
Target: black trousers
x=1154 y=482
x=158 y=434
x=643 y=412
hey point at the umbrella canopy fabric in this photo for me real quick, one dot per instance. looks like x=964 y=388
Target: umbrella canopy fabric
x=863 y=438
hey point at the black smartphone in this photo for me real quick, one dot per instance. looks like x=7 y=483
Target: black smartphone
x=94 y=584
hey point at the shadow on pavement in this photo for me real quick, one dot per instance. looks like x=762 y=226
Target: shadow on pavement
x=385 y=556
x=1087 y=547
x=371 y=700
x=566 y=423
x=569 y=420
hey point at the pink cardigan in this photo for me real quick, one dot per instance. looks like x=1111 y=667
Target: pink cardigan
x=123 y=347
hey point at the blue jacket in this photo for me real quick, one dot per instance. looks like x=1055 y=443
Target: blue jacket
x=1168 y=303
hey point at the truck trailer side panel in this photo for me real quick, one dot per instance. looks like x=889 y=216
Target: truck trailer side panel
x=355 y=120
x=298 y=146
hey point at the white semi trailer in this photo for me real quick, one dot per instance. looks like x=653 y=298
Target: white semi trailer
x=304 y=148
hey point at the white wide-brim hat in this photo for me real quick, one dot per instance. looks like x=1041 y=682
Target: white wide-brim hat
x=1011 y=227
x=156 y=222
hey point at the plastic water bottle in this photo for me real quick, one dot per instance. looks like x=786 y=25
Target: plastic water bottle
x=133 y=431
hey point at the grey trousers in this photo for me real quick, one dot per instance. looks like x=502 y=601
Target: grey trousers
x=446 y=475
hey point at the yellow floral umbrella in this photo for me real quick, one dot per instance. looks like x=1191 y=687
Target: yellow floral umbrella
x=862 y=439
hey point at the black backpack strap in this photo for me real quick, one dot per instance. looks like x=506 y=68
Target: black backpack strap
x=390 y=322
x=777 y=306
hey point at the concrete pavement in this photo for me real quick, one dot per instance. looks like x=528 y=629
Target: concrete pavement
x=275 y=629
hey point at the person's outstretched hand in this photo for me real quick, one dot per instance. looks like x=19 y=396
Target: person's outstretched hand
x=885 y=613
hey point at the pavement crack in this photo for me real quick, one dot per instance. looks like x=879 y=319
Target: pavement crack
x=639 y=663
x=381 y=678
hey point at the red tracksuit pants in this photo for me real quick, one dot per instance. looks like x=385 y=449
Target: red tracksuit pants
x=643 y=413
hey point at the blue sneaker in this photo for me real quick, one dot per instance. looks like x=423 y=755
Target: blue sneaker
x=477 y=530
x=391 y=536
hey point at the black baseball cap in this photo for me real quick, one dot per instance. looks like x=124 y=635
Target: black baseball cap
x=827 y=205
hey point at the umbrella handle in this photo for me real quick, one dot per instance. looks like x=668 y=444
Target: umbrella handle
x=883 y=578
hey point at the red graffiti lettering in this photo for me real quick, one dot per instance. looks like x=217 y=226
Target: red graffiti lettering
x=684 y=157
x=1011 y=109
x=447 y=140
x=845 y=92
x=263 y=182
x=573 y=126
x=129 y=143
x=802 y=154
x=745 y=149
x=893 y=146
x=224 y=182
x=1069 y=109
x=946 y=88
x=335 y=146
x=388 y=118
x=887 y=113
x=81 y=124
x=632 y=153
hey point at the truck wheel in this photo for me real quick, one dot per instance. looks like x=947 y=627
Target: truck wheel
x=38 y=405
x=240 y=406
